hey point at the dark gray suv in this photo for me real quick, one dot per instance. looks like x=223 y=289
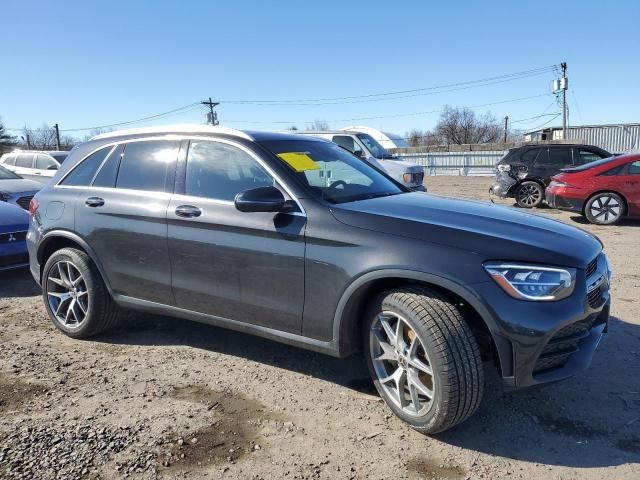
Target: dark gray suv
x=294 y=239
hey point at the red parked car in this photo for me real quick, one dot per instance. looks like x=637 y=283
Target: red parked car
x=604 y=191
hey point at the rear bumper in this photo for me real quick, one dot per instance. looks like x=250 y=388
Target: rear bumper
x=555 y=199
x=503 y=185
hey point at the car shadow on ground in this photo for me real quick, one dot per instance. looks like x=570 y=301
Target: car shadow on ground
x=18 y=283
x=625 y=222
x=592 y=420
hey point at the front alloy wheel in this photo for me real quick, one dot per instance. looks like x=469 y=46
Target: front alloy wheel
x=401 y=364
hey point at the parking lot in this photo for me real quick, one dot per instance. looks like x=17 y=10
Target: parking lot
x=166 y=398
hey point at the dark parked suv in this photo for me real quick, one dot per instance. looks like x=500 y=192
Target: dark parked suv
x=524 y=172
x=294 y=239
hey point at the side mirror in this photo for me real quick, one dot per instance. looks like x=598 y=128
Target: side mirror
x=52 y=167
x=361 y=155
x=260 y=199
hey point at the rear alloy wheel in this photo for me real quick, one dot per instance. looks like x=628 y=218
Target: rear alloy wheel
x=604 y=208
x=423 y=358
x=529 y=194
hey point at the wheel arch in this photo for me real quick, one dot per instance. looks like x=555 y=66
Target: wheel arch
x=57 y=239
x=349 y=315
x=520 y=181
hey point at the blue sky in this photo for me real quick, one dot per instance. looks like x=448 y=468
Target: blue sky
x=84 y=64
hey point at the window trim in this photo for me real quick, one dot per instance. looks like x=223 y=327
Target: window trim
x=183 y=139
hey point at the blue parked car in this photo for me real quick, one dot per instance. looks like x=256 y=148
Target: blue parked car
x=14 y=223
x=15 y=189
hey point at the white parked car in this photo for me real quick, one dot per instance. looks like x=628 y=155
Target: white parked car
x=368 y=149
x=33 y=165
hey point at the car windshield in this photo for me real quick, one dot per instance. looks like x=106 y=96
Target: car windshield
x=377 y=150
x=59 y=156
x=7 y=175
x=330 y=172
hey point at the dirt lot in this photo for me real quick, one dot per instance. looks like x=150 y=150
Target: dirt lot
x=168 y=398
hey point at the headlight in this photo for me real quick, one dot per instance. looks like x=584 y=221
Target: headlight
x=504 y=168
x=533 y=282
x=4 y=197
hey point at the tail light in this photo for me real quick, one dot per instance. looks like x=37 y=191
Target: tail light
x=33 y=207
x=504 y=168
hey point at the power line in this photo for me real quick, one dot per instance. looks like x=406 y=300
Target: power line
x=496 y=79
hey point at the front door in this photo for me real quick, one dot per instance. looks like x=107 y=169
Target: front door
x=241 y=266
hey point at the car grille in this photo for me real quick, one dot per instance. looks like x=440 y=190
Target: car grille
x=594 y=297
x=592 y=267
x=11 y=260
x=12 y=237
x=24 y=201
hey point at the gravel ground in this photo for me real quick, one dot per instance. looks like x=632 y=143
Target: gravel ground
x=165 y=398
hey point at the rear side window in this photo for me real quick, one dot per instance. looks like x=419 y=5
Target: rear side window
x=634 y=168
x=612 y=171
x=85 y=170
x=25 y=161
x=44 y=162
x=148 y=166
x=107 y=175
x=9 y=160
x=529 y=156
x=558 y=157
x=220 y=171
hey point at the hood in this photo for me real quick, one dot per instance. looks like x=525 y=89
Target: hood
x=495 y=232
x=20 y=185
x=406 y=166
x=12 y=218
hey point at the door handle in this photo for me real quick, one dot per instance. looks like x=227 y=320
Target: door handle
x=188 y=211
x=94 y=202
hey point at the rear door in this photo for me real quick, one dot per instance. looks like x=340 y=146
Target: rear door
x=550 y=161
x=630 y=187
x=45 y=165
x=24 y=165
x=242 y=266
x=122 y=216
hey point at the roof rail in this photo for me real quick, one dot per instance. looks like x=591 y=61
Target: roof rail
x=177 y=128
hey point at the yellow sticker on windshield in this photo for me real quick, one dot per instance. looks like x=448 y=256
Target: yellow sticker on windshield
x=299 y=161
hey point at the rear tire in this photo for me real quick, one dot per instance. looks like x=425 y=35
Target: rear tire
x=529 y=194
x=606 y=208
x=446 y=347
x=75 y=295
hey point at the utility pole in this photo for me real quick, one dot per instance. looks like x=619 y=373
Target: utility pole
x=563 y=87
x=506 y=127
x=57 y=136
x=212 y=116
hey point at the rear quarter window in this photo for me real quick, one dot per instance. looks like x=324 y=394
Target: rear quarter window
x=84 y=172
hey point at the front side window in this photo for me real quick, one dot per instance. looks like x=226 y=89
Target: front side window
x=24 y=160
x=330 y=173
x=377 y=150
x=347 y=142
x=148 y=166
x=220 y=171
x=44 y=162
x=585 y=156
x=84 y=172
x=634 y=168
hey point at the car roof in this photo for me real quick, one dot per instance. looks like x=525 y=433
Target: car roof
x=196 y=129
x=16 y=152
x=325 y=132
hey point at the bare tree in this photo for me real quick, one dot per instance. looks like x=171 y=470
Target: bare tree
x=44 y=138
x=318 y=126
x=463 y=126
x=7 y=142
x=420 y=138
x=292 y=128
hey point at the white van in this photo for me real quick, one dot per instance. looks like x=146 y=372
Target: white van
x=368 y=149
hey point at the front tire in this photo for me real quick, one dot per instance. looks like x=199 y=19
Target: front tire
x=529 y=194
x=423 y=358
x=605 y=208
x=75 y=295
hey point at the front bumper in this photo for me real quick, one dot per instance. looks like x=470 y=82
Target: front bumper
x=502 y=185
x=13 y=256
x=543 y=342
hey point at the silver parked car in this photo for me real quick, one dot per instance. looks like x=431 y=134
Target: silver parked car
x=34 y=164
x=365 y=147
